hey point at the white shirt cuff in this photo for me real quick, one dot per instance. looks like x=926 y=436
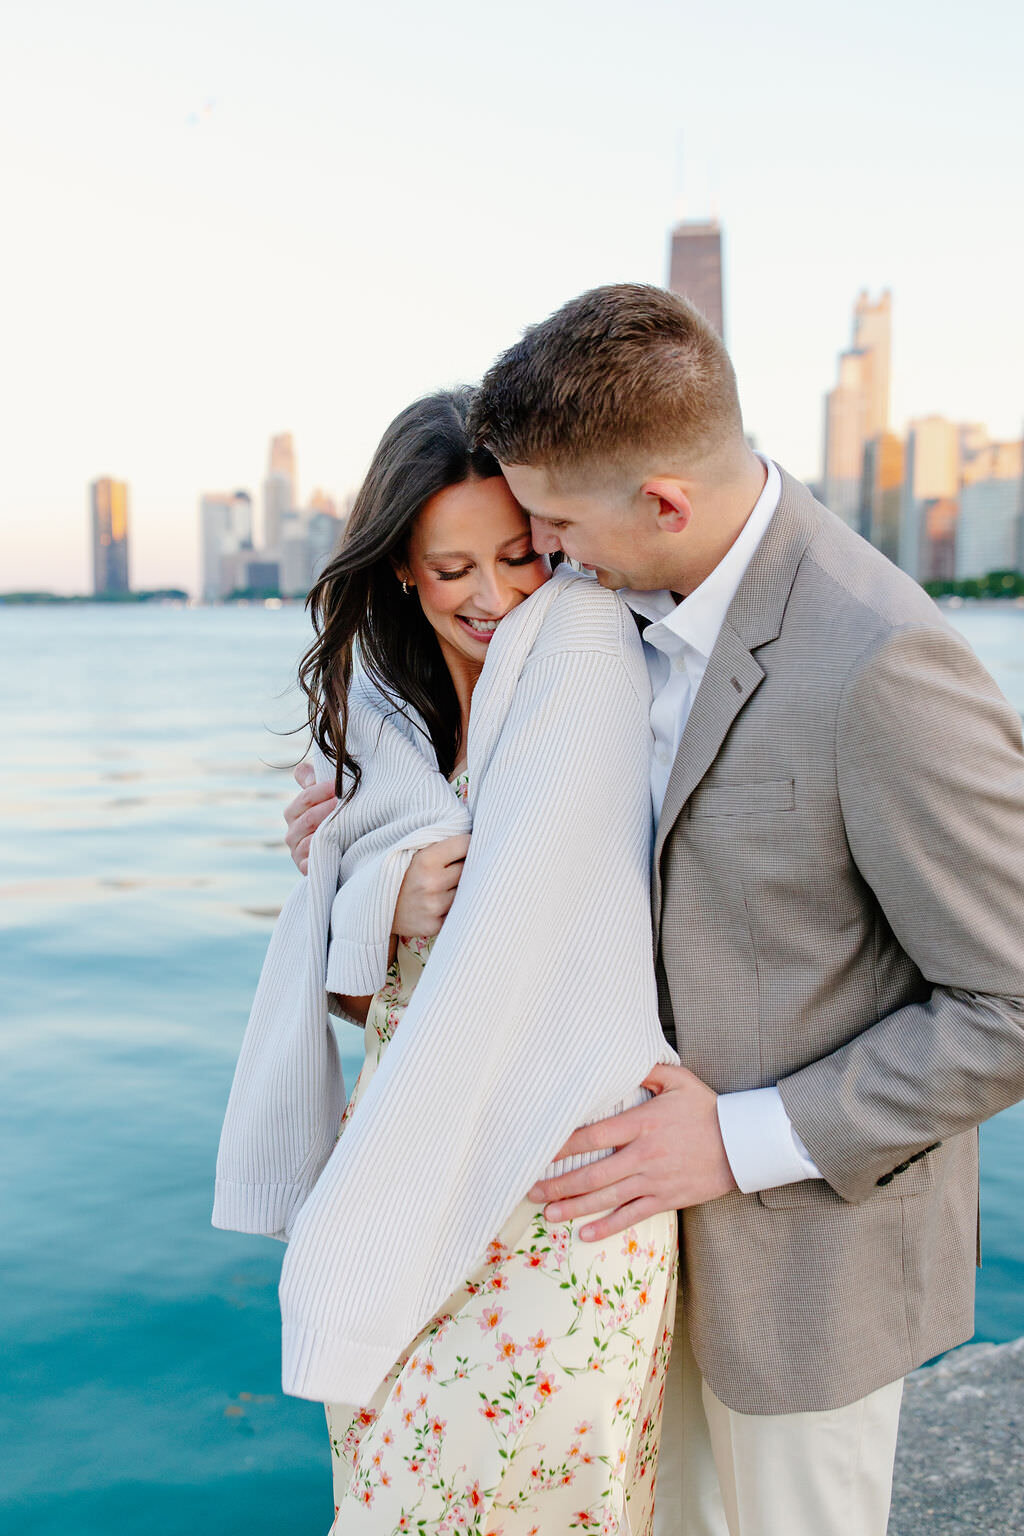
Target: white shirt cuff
x=762 y=1147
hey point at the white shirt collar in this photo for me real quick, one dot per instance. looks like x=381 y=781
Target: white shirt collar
x=698 y=619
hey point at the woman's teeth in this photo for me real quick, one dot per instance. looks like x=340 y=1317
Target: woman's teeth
x=482 y=626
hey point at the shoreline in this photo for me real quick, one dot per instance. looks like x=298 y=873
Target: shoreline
x=958 y=1458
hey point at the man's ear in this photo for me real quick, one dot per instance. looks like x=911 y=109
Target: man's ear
x=673 y=509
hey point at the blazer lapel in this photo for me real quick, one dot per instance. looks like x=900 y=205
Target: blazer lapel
x=733 y=673
x=731 y=678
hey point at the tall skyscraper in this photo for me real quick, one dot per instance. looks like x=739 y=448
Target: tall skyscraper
x=225 y=534
x=695 y=268
x=279 y=488
x=109 y=508
x=857 y=408
x=931 y=476
x=882 y=492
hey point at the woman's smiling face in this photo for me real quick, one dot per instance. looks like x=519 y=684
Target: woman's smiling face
x=471 y=561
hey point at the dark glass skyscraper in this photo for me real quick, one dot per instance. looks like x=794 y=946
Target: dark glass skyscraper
x=695 y=269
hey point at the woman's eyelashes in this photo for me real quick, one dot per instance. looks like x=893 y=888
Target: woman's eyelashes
x=518 y=560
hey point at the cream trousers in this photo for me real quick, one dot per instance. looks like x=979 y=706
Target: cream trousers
x=723 y=1473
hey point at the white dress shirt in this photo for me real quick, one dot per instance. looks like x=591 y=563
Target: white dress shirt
x=762 y=1147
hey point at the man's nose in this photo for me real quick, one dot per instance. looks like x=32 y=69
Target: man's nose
x=545 y=540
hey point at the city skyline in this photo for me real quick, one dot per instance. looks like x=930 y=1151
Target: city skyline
x=217 y=230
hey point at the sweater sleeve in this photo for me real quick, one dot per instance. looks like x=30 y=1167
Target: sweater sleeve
x=288 y=1094
x=536 y=1010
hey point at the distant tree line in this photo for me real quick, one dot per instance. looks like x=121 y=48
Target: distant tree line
x=996 y=584
x=157 y=595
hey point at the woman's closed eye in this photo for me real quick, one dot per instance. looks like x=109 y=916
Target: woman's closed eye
x=527 y=559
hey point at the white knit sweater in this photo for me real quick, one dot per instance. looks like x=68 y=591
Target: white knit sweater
x=536 y=1011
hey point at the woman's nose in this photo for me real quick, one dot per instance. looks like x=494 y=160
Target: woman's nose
x=492 y=593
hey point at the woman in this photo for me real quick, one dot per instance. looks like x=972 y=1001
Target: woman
x=485 y=1369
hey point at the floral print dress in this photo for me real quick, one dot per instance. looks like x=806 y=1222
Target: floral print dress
x=531 y=1404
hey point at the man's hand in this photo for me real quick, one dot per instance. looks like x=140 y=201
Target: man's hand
x=305 y=813
x=670 y=1155
x=429 y=887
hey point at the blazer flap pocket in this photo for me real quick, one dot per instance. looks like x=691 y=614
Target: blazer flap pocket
x=913 y=1179
x=714 y=798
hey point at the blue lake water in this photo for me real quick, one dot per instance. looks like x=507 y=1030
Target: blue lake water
x=140 y=863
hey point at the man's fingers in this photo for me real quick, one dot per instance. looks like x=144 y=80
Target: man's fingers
x=629 y=1215
x=600 y=1175
x=616 y=1131
x=630 y=1188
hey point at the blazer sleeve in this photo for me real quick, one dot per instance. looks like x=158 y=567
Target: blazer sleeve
x=931 y=782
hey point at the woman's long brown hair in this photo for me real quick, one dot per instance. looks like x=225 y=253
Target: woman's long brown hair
x=357 y=603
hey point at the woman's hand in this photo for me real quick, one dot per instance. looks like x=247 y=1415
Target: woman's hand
x=429 y=887
x=304 y=814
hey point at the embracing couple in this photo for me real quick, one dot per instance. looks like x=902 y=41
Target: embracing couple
x=682 y=912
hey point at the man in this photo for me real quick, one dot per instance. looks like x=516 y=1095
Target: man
x=838 y=791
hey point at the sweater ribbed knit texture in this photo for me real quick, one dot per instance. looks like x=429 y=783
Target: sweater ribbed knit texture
x=536 y=1011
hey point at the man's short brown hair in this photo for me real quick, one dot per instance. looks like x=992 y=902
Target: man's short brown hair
x=622 y=369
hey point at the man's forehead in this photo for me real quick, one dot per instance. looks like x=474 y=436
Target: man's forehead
x=548 y=499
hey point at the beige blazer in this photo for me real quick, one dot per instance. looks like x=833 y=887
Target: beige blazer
x=839 y=905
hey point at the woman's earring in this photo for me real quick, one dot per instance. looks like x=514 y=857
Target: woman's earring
x=405 y=588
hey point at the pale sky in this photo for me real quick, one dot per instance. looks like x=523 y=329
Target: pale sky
x=226 y=219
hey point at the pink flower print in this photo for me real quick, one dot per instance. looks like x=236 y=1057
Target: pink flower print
x=385 y=1479
x=507 y=1347
x=490 y=1411
x=433 y=1457
x=387 y=1438
x=438 y=1427
x=428 y=1368
x=421 y=1401
x=600 y=1300
x=583 y=1427
x=498 y=1282
x=534 y=1261
x=560 y=1238
x=366 y=1416
x=397 y=1393
x=521 y=1416
x=610 y=1524
x=403 y=1523
x=540 y=1341
x=643 y=1296
x=491 y=1318
x=630 y=1243
x=497 y=1251
x=367 y=1496
x=407 y=1418
x=473 y=1495
x=546 y=1386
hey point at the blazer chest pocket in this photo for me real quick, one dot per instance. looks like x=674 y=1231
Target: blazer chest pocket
x=713 y=798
